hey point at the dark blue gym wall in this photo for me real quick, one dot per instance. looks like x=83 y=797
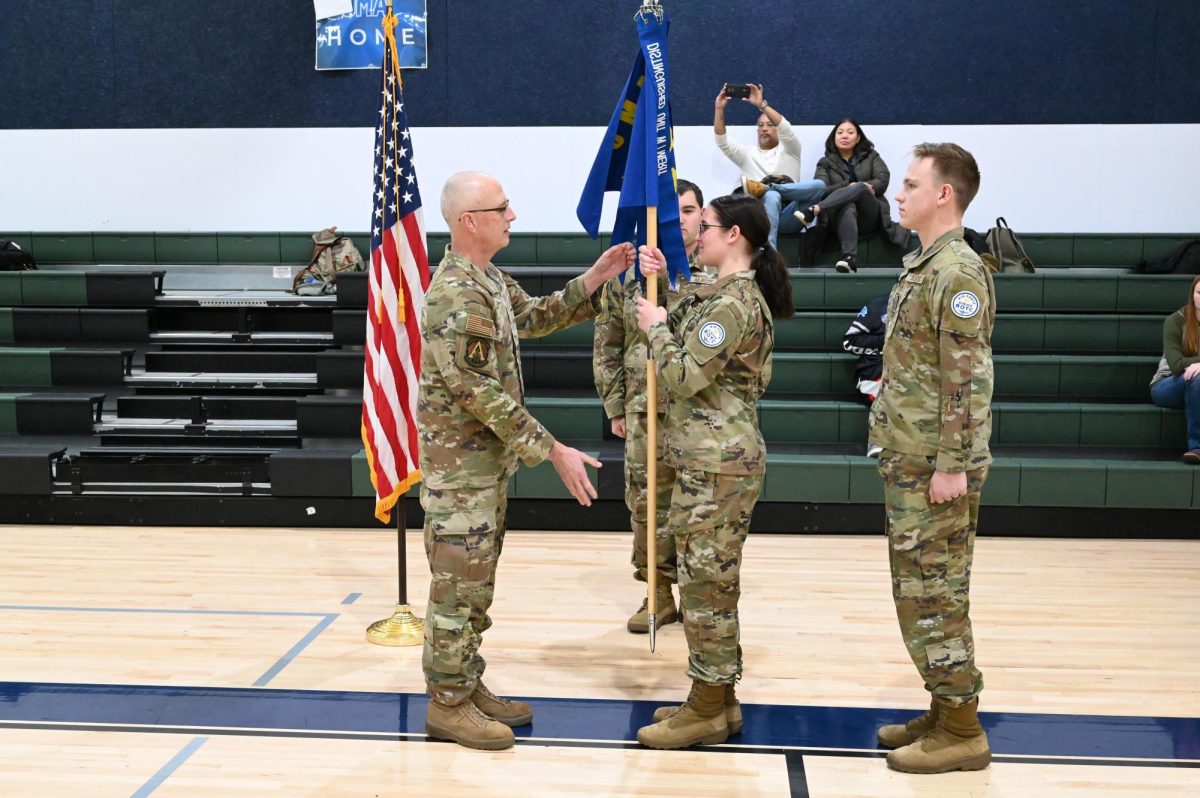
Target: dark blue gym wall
x=232 y=63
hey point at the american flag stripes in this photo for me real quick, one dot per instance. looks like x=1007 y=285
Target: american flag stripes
x=399 y=277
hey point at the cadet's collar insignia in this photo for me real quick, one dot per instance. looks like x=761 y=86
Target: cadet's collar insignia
x=712 y=334
x=480 y=326
x=964 y=304
x=477 y=352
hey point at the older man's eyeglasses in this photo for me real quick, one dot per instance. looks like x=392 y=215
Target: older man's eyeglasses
x=501 y=209
x=706 y=226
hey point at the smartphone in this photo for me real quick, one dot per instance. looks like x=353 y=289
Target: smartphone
x=737 y=90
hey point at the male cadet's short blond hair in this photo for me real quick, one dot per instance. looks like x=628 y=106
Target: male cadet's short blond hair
x=954 y=165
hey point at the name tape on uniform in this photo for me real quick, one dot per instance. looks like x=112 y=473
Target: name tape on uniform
x=964 y=304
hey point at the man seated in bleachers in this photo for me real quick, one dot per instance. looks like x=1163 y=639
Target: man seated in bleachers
x=774 y=164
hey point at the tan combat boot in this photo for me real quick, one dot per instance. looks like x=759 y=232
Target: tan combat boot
x=701 y=721
x=898 y=735
x=733 y=711
x=958 y=742
x=466 y=725
x=753 y=187
x=639 y=622
x=507 y=711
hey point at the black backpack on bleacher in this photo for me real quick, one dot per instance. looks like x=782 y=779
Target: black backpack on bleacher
x=1184 y=259
x=15 y=259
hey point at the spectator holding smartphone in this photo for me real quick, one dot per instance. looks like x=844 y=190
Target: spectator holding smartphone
x=769 y=170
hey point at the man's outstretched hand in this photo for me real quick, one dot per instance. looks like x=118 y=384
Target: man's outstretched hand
x=571 y=468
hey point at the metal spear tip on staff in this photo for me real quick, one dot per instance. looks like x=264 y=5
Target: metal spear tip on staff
x=654 y=7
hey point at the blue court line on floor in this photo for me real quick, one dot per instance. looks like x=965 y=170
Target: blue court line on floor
x=165 y=772
x=353 y=597
x=850 y=728
x=797 y=777
x=262 y=681
x=295 y=650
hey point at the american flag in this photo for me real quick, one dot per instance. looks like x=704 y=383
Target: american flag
x=399 y=277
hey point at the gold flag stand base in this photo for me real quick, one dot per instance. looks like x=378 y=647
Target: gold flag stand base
x=402 y=629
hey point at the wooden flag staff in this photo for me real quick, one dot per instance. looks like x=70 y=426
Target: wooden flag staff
x=651 y=448
x=652 y=7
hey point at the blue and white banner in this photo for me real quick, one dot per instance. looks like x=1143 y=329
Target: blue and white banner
x=354 y=40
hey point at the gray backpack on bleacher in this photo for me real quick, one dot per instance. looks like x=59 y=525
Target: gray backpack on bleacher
x=331 y=254
x=1007 y=250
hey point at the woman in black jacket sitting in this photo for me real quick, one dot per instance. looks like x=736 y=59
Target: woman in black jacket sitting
x=856 y=178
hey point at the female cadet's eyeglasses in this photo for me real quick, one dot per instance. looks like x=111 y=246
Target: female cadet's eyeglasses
x=706 y=226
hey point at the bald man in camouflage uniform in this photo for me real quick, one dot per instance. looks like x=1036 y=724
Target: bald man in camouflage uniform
x=620 y=371
x=933 y=420
x=474 y=428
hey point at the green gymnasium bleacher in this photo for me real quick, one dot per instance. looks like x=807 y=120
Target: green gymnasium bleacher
x=139 y=364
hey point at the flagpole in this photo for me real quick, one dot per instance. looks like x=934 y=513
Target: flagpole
x=403 y=628
x=651 y=448
x=652 y=7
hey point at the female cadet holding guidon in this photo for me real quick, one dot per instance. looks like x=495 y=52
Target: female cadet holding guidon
x=714 y=359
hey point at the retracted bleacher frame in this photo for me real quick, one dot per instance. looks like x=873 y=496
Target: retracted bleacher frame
x=123 y=392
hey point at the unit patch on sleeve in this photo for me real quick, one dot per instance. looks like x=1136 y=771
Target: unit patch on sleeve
x=964 y=304
x=712 y=334
x=477 y=352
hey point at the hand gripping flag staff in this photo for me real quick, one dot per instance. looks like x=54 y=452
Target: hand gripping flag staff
x=398 y=279
x=637 y=158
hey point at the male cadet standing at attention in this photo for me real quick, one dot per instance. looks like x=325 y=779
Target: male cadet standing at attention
x=474 y=427
x=620 y=371
x=933 y=420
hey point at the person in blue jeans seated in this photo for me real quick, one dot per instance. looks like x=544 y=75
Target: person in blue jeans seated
x=783 y=201
x=768 y=170
x=864 y=338
x=1177 y=383
x=854 y=203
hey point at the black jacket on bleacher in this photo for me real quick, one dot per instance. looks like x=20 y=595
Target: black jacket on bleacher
x=865 y=338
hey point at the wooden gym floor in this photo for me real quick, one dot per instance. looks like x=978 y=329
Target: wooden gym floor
x=232 y=662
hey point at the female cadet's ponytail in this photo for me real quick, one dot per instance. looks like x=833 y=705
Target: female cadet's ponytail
x=770 y=269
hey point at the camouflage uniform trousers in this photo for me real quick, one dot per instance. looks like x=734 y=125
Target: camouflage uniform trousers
x=636 y=495
x=930 y=548
x=464 y=533
x=710 y=518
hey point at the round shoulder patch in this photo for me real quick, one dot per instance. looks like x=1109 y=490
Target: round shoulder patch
x=712 y=334
x=964 y=304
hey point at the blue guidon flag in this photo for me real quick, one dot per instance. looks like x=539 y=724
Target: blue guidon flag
x=637 y=155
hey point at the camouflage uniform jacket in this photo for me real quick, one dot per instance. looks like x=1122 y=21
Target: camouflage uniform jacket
x=471 y=402
x=936 y=395
x=619 y=365
x=715 y=367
